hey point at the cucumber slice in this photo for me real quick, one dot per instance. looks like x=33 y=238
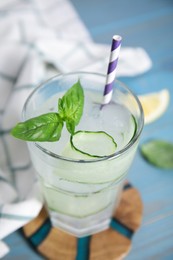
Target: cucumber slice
x=94 y=144
x=79 y=205
x=130 y=132
x=134 y=123
x=102 y=171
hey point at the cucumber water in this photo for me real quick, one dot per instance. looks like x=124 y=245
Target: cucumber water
x=82 y=175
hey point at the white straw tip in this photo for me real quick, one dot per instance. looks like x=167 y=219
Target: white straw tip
x=117 y=37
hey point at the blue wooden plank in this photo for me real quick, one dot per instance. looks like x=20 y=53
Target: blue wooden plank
x=20 y=249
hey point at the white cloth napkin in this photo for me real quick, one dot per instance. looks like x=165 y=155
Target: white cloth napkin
x=38 y=39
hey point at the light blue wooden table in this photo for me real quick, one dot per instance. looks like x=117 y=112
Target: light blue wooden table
x=148 y=24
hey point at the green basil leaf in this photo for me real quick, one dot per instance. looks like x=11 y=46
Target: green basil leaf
x=70 y=125
x=158 y=153
x=46 y=127
x=70 y=106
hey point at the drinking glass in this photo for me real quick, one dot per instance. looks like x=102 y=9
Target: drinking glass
x=82 y=194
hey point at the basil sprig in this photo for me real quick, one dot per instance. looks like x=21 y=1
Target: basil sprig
x=48 y=127
x=70 y=106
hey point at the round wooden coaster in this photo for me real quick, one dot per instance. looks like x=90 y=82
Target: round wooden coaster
x=113 y=243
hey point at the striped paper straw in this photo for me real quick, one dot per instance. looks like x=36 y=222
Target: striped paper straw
x=114 y=55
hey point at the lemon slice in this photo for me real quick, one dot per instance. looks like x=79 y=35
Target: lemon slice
x=154 y=104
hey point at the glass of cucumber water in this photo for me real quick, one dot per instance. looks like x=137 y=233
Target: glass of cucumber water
x=82 y=174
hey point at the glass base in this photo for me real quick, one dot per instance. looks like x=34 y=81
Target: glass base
x=81 y=227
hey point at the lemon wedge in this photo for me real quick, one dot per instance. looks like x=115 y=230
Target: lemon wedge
x=154 y=104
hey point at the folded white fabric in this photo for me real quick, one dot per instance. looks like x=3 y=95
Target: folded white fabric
x=36 y=41
x=4 y=249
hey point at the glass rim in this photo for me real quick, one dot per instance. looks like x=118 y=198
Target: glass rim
x=104 y=158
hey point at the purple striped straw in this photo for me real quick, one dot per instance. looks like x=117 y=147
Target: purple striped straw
x=113 y=60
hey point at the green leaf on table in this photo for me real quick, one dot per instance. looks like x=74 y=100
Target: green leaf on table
x=158 y=153
x=46 y=127
x=70 y=106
